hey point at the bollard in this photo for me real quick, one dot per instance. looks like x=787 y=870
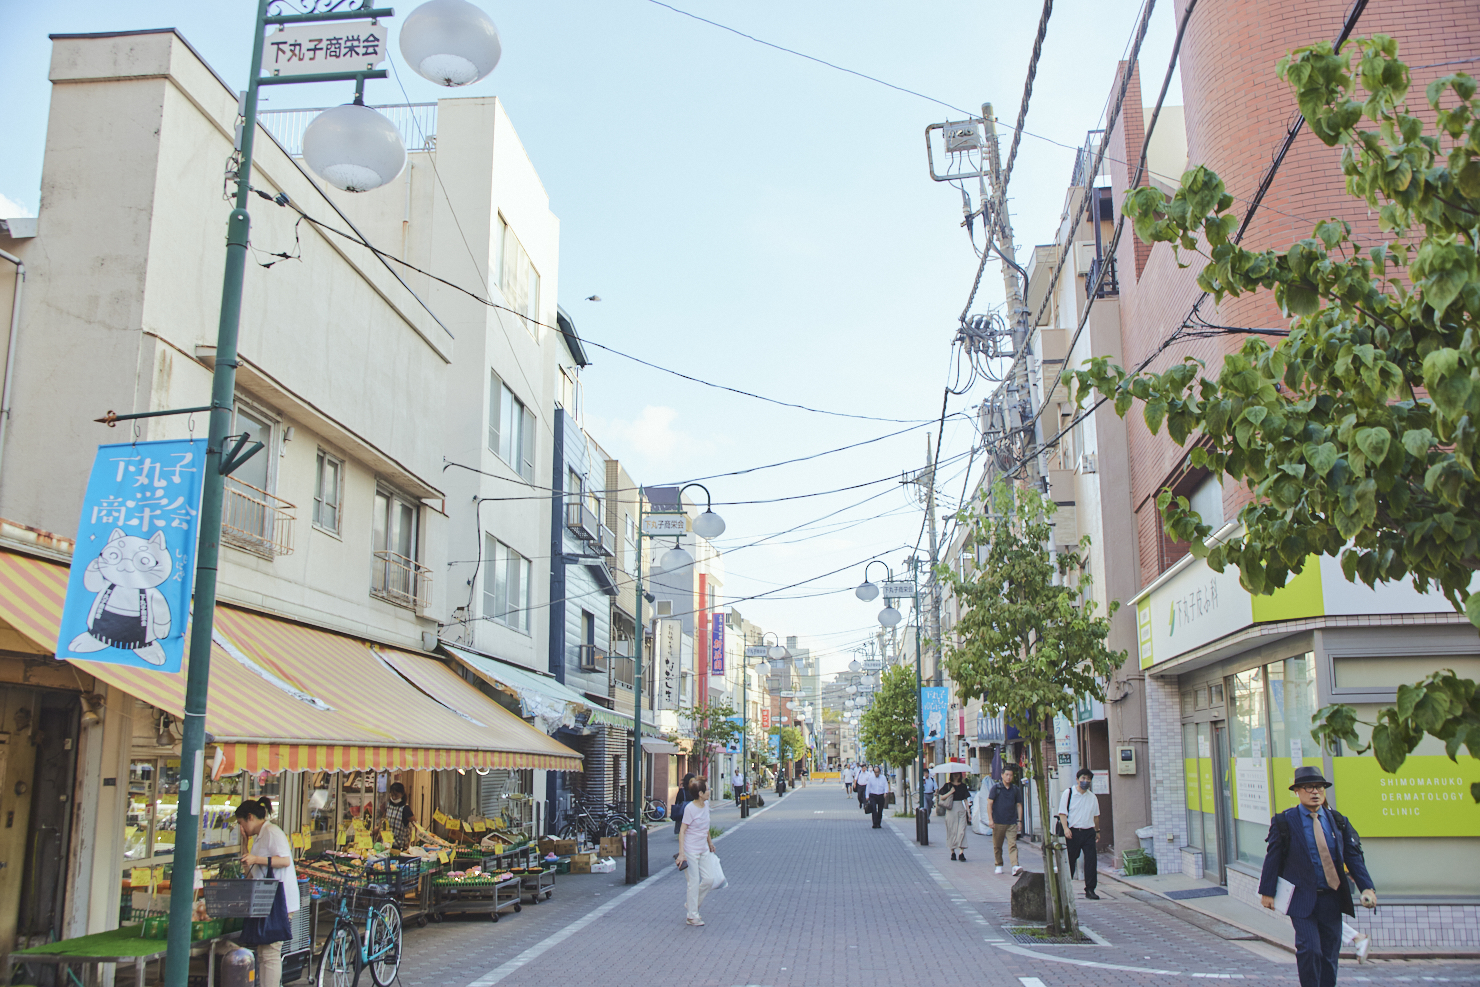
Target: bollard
x=922 y=826
x=745 y=806
x=239 y=968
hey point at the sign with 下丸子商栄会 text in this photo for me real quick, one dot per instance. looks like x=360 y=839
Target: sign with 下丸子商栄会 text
x=128 y=594
x=332 y=46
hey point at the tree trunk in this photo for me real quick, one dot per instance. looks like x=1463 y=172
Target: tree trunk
x=1062 y=915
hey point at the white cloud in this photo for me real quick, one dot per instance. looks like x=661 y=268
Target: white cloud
x=10 y=209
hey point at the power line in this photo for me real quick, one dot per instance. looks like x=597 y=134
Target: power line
x=1017 y=135
x=810 y=58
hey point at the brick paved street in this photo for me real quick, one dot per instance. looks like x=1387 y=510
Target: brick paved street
x=818 y=898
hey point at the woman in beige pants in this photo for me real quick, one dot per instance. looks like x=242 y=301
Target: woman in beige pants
x=956 y=798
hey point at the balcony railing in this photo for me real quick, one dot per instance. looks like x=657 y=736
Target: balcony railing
x=591 y=658
x=256 y=521
x=622 y=668
x=417 y=123
x=607 y=544
x=1110 y=288
x=582 y=521
x=399 y=580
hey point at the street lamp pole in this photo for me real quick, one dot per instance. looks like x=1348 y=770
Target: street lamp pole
x=706 y=525
x=223 y=394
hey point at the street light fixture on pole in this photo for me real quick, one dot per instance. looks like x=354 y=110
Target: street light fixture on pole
x=672 y=524
x=889 y=617
x=355 y=148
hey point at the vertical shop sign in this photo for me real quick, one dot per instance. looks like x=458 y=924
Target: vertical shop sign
x=717 y=646
x=765 y=718
x=128 y=594
x=670 y=654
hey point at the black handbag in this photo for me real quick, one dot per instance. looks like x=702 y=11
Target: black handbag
x=275 y=927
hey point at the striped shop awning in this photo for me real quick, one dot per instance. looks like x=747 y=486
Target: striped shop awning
x=285 y=696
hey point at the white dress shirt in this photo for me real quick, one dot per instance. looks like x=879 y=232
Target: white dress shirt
x=877 y=784
x=1082 y=808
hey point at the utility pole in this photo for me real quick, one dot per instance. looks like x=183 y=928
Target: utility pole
x=934 y=561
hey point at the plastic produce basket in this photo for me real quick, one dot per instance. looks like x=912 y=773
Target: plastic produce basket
x=246 y=898
x=1138 y=862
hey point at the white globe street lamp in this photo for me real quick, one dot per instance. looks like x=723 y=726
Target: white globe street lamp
x=889 y=616
x=778 y=655
x=674 y=559
x=853 y=665
x=354 y=148
x=450 y=42
x=709 y=525
x=867 y=592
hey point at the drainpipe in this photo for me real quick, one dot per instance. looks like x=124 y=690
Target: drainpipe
x=15 y=325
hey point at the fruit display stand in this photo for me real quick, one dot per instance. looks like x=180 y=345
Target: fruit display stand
x=535 y=881
x=462 y=892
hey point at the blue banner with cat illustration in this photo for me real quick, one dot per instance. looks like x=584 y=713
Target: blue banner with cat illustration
x=128 y=595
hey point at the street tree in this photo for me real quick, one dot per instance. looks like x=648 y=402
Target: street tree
x=793 y=744
x=1030 y=641
x=714 y=728
x=888 y=728
x=1356 y=432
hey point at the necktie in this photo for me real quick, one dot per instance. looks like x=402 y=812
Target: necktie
x=1324 y=852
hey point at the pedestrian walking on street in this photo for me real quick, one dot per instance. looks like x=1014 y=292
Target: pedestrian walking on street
x=1005 y=812
x=877 y=790
x=1315 y=848
x=737 y=784
x=928 y=788
x=848 y=776
x=681 y=799
x=860 y=785
x=696 y=852
x=1079 y=814
x=955 y=797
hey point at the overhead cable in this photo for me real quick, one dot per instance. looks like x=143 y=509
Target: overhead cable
x=1017 y=132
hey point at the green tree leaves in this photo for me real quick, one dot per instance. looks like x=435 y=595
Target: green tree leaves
x=888 y=727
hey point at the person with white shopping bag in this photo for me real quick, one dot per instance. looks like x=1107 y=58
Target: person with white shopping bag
x=696 y=853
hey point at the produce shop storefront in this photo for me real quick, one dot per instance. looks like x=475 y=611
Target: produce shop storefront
x=1237 y=679
x=320 y=722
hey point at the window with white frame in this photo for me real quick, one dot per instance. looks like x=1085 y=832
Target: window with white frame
x=328 y=489
x=505 y=585
x=517 y=277
x=510 y=428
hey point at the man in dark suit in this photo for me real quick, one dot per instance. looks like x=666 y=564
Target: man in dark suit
x=1314 y=847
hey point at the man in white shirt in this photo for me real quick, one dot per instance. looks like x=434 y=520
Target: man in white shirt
x=877 y=789
x=848 y=776
x=860 y=785
x=737 y=784
x=1079 y=812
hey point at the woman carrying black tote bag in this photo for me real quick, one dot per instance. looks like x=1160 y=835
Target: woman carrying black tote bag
x=271 y=855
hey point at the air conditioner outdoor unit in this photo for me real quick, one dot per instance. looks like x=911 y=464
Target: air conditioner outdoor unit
x=663 y=608
x=1088 y=462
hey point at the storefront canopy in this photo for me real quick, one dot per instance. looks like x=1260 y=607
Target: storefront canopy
x=539 y=695
x=288 y=697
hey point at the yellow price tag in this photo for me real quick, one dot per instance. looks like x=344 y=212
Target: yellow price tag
x=139 y=877
x=343 y=835
x=296 y=839
x=387 y=837
x=479 y=826
x=156 y=878
x=307 y=830
x=443 y=856
x=363 y=841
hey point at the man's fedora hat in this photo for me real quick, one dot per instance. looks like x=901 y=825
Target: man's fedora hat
x=1309 y=776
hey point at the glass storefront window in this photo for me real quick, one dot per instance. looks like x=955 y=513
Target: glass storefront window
x=138 y=826
x=321 y=809
x=219 y=833
x=1192 y=784
x=1248 y=743
x=1292 y=703
x=167 y=800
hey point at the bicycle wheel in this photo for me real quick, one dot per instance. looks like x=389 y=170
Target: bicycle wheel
x=339 y=965
x=383 y=942
x=570 y=831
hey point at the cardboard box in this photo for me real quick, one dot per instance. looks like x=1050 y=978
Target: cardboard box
x=611 y=846
x=580 y=863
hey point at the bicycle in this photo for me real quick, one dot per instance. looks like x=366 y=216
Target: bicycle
x=346 y=954
x=654 y=809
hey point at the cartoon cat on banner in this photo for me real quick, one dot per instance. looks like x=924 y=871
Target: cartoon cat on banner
x=128 y=595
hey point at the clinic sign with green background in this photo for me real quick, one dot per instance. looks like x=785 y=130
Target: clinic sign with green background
x=1194 y=605
x=1427 y=796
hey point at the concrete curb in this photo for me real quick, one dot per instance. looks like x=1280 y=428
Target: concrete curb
x=1389 y=953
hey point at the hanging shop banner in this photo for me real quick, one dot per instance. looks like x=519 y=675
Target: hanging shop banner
x=732 y=746
x=935 y=702
x=717 y=646
x=670 y=654
x=128 y=595
x=765 y=718
x=775 y=740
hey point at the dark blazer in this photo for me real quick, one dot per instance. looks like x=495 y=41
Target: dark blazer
x=1288 y=856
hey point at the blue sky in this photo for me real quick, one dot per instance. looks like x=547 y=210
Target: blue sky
x=747 y=217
